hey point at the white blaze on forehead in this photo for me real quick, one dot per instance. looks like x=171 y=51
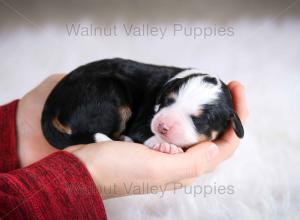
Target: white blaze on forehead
x=187 y=73
x=197 y=92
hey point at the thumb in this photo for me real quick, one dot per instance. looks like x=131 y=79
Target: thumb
x=190 y=164
x=202 y=155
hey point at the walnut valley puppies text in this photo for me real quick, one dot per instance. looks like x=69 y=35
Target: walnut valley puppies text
x=148 y=30
x=195 y=190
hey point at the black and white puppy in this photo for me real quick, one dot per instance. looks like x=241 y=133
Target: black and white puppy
x=192 y=107
x=166 y=108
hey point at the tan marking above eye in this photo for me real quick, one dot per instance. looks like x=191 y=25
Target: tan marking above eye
x=60 y=127
x=172 y=96
x=198 y=113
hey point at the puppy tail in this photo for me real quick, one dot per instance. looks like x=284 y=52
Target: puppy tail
x=61 y=136
x=58 y=135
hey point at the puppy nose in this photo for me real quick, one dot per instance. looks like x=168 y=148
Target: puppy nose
x=163 y=128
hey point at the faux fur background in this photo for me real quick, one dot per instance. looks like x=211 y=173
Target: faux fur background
x=263 y=53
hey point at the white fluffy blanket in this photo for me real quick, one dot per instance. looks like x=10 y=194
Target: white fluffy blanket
x=263 y=55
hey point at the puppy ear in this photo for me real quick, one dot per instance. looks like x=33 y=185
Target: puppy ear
x=237 y=125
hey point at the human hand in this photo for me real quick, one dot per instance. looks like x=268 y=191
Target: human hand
x=32 y=145
x=115 y=166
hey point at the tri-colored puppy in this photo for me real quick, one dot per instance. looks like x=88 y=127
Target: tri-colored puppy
x=166 y=108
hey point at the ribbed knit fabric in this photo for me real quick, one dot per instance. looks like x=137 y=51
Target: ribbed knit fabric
x=56 y=187
x=8 y=145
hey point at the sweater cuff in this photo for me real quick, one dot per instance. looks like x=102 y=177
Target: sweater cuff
x=8 y=144
x=60 y=180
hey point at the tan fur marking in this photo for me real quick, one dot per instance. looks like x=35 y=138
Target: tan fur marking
x=172 y=96
x=60 y=127
x=202 y=138
x=198 y=113
x=125 y=114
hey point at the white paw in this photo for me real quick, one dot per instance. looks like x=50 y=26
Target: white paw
x=125 y=138
x=167 y=148
x=150 y=142
x=99 y=137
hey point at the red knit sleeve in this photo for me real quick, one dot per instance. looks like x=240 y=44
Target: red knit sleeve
x=56 y=187
x=8 y=145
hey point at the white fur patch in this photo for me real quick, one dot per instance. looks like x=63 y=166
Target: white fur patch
x=150 y=142
x=99 y=137
x=127 y=139
x=189 y=72
x=186 y=73
x=195 y=93
x=186 y=137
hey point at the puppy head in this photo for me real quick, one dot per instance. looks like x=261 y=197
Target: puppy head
x=192 y=108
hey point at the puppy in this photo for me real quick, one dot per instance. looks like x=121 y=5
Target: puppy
x=191 y=107
x=166 y=108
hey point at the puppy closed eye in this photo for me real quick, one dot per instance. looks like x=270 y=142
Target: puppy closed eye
x=210 y=79
x=169 y=101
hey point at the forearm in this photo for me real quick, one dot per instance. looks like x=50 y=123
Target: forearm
x=57 y=187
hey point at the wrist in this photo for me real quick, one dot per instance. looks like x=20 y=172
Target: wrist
x=91 y=163
x=85 y=160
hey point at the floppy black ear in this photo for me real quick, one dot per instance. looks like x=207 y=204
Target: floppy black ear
x=237 y=125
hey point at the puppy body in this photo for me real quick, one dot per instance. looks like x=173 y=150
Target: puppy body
x=147 y=103
x=101 y=98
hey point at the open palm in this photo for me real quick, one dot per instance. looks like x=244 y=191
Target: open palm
x=32 y=145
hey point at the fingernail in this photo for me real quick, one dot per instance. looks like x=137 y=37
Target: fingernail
x=212 y=152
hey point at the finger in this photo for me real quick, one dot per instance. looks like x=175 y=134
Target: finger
x=240 y=106
x=237 y=91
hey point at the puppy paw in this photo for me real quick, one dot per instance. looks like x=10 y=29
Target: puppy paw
x=99 y=137
x=167 y=148
x=126 y=138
